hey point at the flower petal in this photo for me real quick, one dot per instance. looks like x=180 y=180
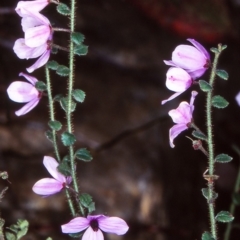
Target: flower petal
x=199 y=47
x=196 y=73
x=47 y=186
x=183 y=114
x=92 y=235
x=113 y=225
x=78 y=224
x=22 y=92
x=31 y=79
x=178 y=80
x=175 y=131
x=237 y=98
x=27 y=107
x=40 y=62
x=51 y=165
x=171 y=97
x=35 y=6
x=37 y=36
x=170 y=63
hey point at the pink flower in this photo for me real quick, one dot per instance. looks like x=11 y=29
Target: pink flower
x=238 y=98
x=49 y=186
x=182 y=116
x=178 y=80
x=195 y=60
x=37 y=41
x=93 y=224
x=25 y=52
x=33 y=6
x=24 y=93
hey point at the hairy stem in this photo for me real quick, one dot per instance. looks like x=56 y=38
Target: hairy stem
x=52 y=113
x=211 y=146
x=69 y=105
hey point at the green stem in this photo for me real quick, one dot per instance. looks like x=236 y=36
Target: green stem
x=211 y=145
x=52 y=114
x=232 y=206
x=70 y=89
x=70 y=203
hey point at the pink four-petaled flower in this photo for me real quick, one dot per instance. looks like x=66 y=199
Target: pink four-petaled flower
x=182 y=116
x=93 y=224
x=178 y=80
x=195 y=60
x=49 y=186
x=23 y=92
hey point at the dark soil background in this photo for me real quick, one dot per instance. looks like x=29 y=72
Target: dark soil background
x=135 y=174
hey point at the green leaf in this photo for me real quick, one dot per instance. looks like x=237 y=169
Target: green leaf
x=54 y=50
x=236 y=198
x=64 y=168
x=205 y=86
x=55 y=125
x=86 y=200
x=63 y=9
x=68 y=139
x=207 y=236
x=77 y=38
x=224 y=216
x=79 y=95
x=219 y=102
x=66 y=158
x=199 y=135
x=19 y=230
x=58 y=97
x=215 y=50
x=62 y=71
x=224 y=47
x=64 y=104
x=49 y=135
x=52 y=65
x=83 y=154
x=41 y=86
x=81 y=50
x=205 y=193
x=222 y=74
x=223 y=158
x=10 y=236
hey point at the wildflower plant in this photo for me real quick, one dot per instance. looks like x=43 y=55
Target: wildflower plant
x=38 y=42
x=194 y=61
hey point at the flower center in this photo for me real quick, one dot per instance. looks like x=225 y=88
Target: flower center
x=94 y=225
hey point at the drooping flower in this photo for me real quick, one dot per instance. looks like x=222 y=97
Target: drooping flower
x=94 y=225
x=49 y=186
x=33 y=6
x=182 y=116
x=238 y=98
x=195 y=60
x=23 y=92
x=178 y=80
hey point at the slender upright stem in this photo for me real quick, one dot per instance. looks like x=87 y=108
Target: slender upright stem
x=52 y=114
x=52 y=118
x=211 y=145
x=69 y=105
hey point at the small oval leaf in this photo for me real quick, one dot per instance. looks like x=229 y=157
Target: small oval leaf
x=223 y=158
x=79 y=95
x=83 y=154
x=224 y=216
x=205 y=86
x=207 y=236
x=63 y=9
x=77 y=38
x=68 y=139
x=62 y=71
x=64 y=104
x=219 y=102
x=55 y=125
x=222 y=74
x=40 y=86
x=52 y=65
x=205 y=193
x=214 y=50
x=81 y=50
x=49 y=135
x=64 y=168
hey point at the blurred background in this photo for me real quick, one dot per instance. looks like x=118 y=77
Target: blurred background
x=135 y=174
